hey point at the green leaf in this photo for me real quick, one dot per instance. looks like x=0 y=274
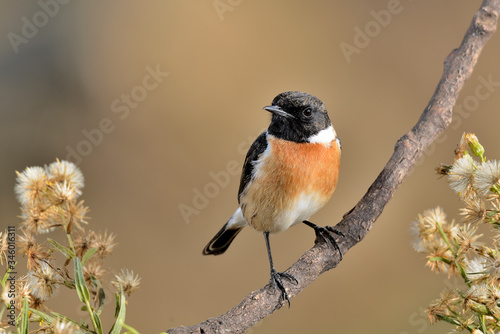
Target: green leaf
x=481 y=321
x=63 y=249
x=439 y=258
x=81 y=288
x=132 y=330
x=63 y=317
x=4 y=279
x=119 y=314
x=25 y=317
x=448 y=319
x=463 y=274
x=7 y=274
x=47 y=318
x=88 y=255
x=97 y=321
x=117 y=303
x=101 y=296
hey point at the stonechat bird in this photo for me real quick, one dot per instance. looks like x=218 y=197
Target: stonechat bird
x=290 y=172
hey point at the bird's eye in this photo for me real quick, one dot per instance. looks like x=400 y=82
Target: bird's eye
x=307 y=112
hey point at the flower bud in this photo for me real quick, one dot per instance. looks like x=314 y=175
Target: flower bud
x=476 y=148
x=478 y=307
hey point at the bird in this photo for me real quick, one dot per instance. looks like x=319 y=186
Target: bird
x=290 y=172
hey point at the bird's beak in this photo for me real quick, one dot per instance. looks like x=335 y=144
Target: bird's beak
x=277 y=111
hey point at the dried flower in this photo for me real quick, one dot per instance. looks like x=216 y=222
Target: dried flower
x=441 y=305
x=48 y=198
x=76 y=213
x=61 y=326
x=466 y=238
x=417 y=242
x=5 y=296
x=475 y=270
x=128 y=282
x=487 y=177
x=478 y=296
x=93 y=268
x=33 y=251
x=43 y=281
x=30 y=185
x=492 y=266
x=3 y=247
x=61 y=193
x=461 y=175
x=429 y=228
x=456 y=248
x=83 y=241
x=439 y=258
x=427 y=224
x=23 y=292
x=104 y=243
x=66 y=172
x=25 y=242
x=475 y=210
x=37 y=219
x=36 y=302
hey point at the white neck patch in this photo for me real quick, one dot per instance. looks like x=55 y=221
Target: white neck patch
x=324 y=137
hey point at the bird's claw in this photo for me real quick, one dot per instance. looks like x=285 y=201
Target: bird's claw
x=325 y=233
x=276 y=281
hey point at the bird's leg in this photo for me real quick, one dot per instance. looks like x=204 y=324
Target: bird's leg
x=324 y=233
x=275 y=275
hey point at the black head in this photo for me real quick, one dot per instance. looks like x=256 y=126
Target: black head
x=297 y=116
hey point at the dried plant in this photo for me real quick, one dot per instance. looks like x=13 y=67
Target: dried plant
x=455 y=247
x=49 y=198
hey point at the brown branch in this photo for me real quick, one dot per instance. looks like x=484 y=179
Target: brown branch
x=356 y=223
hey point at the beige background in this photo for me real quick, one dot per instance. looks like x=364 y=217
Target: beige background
x=204 y=115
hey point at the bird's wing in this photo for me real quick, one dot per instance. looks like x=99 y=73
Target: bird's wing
x=253 y=155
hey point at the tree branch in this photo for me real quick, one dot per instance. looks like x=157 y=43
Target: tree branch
x=356 y=223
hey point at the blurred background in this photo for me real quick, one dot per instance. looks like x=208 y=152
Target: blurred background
x=152 y=99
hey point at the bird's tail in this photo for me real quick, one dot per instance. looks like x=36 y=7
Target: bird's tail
x=220 y=243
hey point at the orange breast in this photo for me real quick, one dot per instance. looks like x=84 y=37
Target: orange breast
x=292 y=182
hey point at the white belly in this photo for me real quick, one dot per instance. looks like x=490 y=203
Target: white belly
x=305 y=206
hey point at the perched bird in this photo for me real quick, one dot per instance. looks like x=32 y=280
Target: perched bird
x=290 y=172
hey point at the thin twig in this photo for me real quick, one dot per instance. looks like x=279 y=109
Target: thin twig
x=356 y=223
